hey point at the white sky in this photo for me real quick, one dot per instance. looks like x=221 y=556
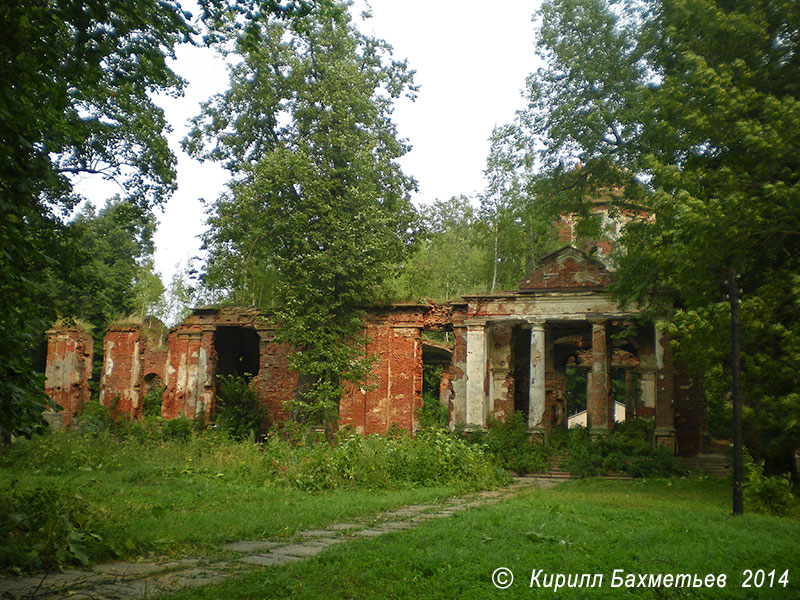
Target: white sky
x=471 y=59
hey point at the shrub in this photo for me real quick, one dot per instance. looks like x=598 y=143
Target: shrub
x=238 y=412
x=151 y=403
x=627 y=449
x=770 y=494
x=510 y=443
x=179 y=428
x=432 y=414
x=400 y=460
x=47 y=528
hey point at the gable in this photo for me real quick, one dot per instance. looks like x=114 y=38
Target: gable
x=568 y=268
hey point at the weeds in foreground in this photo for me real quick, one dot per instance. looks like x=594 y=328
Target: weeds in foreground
x=116 y=489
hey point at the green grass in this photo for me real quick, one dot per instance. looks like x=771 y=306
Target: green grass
x=589 y=526
x=126 y=497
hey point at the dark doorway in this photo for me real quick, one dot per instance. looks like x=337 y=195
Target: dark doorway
x=521 y=345
x=237 y=351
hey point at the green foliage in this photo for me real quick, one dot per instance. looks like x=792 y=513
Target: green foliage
x=432 y=414
x=429 y=458
x=77 y=82
x=319 y=209
x=627 y=449
x=769 y=494
x=47 y=528
x=689 y=111
x=214 y=490
x=447 y=259
x=509 y=442
x=151 y=403
x=180 y=428
x=238 y=411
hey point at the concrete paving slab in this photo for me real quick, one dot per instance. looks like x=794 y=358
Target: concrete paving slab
x=245 y=546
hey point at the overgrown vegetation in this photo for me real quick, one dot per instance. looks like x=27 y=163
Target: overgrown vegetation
x=112 y=484
x=432 y=414
x=238 y=412
x=767 y=493
x=626 y=450
x=510 y=443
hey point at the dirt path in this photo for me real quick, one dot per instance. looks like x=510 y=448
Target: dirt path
x=138 y=581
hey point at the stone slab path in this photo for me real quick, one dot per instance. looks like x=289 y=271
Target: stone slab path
x=141 y=581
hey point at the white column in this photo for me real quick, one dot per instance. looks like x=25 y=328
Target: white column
x=536 y=392
x=476 y=374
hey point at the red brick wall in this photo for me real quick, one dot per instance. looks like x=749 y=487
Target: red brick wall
x=190 y=373
x=68 y=370
x=393 y=393
x=275 y=383
x=121 y=382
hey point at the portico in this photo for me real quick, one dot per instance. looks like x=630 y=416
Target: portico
x=519 y=345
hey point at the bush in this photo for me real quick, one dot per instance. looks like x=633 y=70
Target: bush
x=47 y=528
x=769 y=494
x=627 y=449
x=151 y=403
x=509 y=442
x=179 y=428
x=432 y=414
x=400 y=460
x=238 y=412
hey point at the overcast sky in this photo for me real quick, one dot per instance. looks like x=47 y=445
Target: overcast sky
x=471 y=59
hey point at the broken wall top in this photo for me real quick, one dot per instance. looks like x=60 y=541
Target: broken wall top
x=567 y=269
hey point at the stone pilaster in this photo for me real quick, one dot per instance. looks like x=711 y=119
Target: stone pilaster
x=476 y=374
x=537 y=390
x=665 y=384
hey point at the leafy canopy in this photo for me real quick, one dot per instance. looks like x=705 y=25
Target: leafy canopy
x=318 y=210
x=690 y=110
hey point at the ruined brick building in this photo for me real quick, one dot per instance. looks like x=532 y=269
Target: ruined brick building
x=510 y=351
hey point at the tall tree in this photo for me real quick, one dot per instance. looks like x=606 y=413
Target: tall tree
x=448 y=258
x=76 y=82
x=317 y=201
x=518 y=228
x=691 y=110
x=105 y=264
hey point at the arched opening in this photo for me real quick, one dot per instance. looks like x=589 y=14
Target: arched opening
x=153 y=395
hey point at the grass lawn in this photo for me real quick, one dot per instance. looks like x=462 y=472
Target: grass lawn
x=587 y=526
x=168 y=499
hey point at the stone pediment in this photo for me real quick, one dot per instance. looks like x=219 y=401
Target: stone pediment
x=568 y=268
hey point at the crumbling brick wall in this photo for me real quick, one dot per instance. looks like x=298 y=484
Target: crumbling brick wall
x=392 y=395
x=68 y=371
x=130 y=355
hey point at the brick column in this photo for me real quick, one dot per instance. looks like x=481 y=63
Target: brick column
x=598 y=398
x=476 y=374
x=67 y=372
x=537 y=390
x=665 y=383
x=630 y=396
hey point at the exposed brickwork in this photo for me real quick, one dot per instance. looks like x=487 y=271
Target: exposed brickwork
x=68 y=371
x=132 y=354
x=275 y=382
x=393 y=393
x=567 y=269
x=190 y=373
x=122 y=379
x=565 y=298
